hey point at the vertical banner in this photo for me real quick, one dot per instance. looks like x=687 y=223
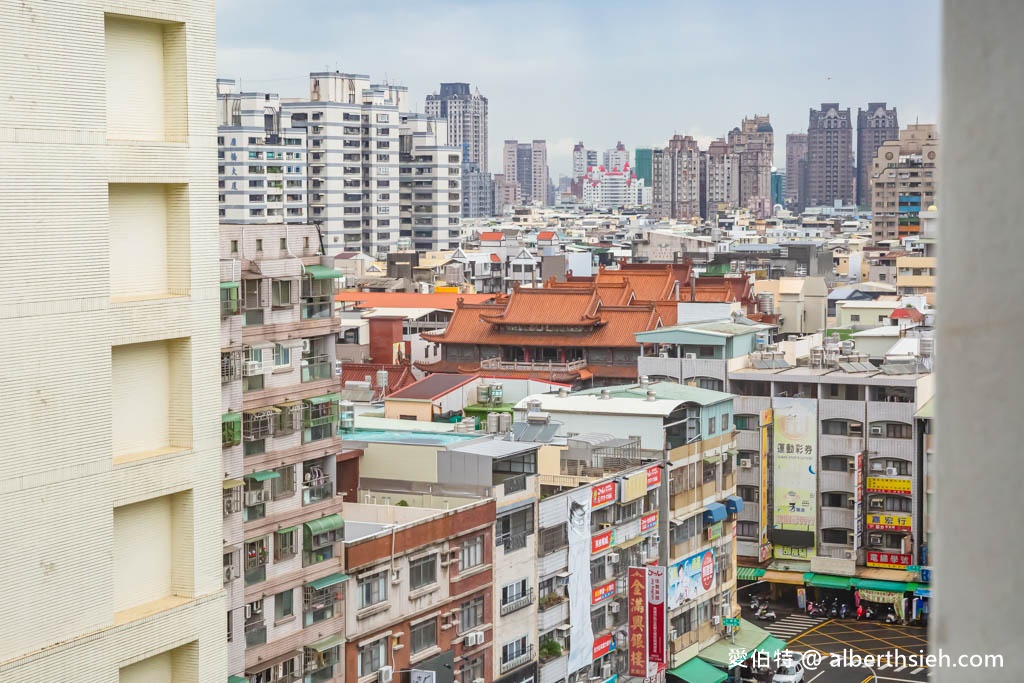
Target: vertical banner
x=796 y=484
x=858 y=503
x=764 y=551
x=657 y=587
x=636 y=590
x=581 y=633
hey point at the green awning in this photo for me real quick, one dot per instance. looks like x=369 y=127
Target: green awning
x=696 y=670
x=748 y=637
x=749 y=573
x=327 y=643
x=323 y=272
x=286 y=529
x=263 y=476
x=317 y=400
x=827 y=581
x=879 y=585
x=772 y=646
x=228 y=418
x=328 y=581
x=229 y=285
x=237 y=679
x=324 y=524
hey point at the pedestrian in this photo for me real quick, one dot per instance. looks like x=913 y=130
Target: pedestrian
x=860 y=612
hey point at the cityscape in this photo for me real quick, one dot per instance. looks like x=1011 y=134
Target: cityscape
x=658 y=407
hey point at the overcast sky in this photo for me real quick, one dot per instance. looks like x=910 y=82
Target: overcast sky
x=601 y=71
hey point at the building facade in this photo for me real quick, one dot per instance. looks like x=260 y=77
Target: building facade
x=829 y=156
x=583 y=160
x=612 y=188
x=719 y=178
x=754 y=143
x=477 y=192
x=796 y=168
x=642 y=164
x=527 y=164
x=465 y=111
x=675 y=171
x=616 y=157
x=903 y=181
x=430 y=186
x=123 y=431
x=261 y=163
x=875 y=125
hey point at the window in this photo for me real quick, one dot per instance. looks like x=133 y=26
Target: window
x=285 y=544
x=833 y=500
x=838 y=536
x=371 y=657
x=281 y=293
x=854 y=318
x=746 y=529
x=514 y=650
x=305 y=243
x=423 y=572
x=283 y=606
x=711 y=427
x=259 y=245
x=515 y=591
x=472 y=553
x=598 y=569
x=471 y=669
x=706 y=351
x=553 y=539
x=423 y=636
x=750 y=494
x=725 y=422
x=282 y=356
x=234 y=246
x=745 y=422
x=471 y=614
x=835 y=463
x=373 y=589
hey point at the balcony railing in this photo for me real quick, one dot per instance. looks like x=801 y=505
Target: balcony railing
x=517 y=604
x=316 y=307
x=515 y=484
x=255 y=634
x=515 y=662
x=317 y=492
x=316 y=368
x=513 y=541
x=550 y=366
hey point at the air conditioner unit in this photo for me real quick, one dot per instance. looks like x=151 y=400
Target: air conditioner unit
x=248 y=611
x=252 y=367
x=690 y=356
x=613 y=558
x=337 y=368
x=852 y=467
x=877 y=431
x=875 y=539
x=562 y=580
x=306 y=345
x=892 y=471
x=229 y=573
x=614 y=608
x=849 y=555
x=473 y=639
x=656 y=539
x=746 y=463
x=229 y=506
x=253 y=498
x=715 y=619
x=877 y=504
x=385 y=674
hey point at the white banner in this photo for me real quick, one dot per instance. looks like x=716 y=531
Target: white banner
x=581 y=633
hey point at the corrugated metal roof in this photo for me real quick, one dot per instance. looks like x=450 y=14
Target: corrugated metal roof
x=432 y=386
x=494 y=447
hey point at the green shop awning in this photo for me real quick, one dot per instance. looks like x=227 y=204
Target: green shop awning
x=237 y=679
x=879 y=585
x=263 y=476
x=772 y=646
x=328 y=581
x=286 y=529
x=324 y=524
x=827 y=581
x=230 y=285
x=317 y=400
x=749 y=573
x=323 y=272
x=748 y=637
x=697 y=670
x=327 y=643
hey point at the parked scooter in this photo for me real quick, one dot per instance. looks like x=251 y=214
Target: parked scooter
x=870 y=612
x=755 y=603
x=890 y=616
x=816 y=610
x=766 y=613
x=834 y=609
x=843 y=611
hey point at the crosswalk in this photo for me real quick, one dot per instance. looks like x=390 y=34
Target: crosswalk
x=791 y=626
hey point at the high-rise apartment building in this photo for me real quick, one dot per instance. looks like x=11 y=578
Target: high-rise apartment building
x=466 y=113
x=506 y=193
x=583 y=160
x=796 y=168
x=829 y=156
x=353 y=133
x=616 y=157
x=477 y=192
x=875 y=125
x=282 y=457
x=903 y=178
x=754 y=143
x=111 y=478
x=676 y=174
x=261 y=164
x=527 y=164
x=430 y=199
x=778 y=187
x=719 y=178
x=642 y=164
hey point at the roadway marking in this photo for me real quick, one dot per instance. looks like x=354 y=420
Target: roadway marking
x=897 y=670
x=817 y=677
x=917 y=670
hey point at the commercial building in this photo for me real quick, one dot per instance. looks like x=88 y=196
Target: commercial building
x=779 y=179
x=675 y=173
x=465 y=111
x=796 y=169
x=875 y=125
x=612 y=187
x=829 y=156
x=527 y=164
x=903 y=181
x=110 y=469
x=261 y=163
x=506 y=193
x=283 y=462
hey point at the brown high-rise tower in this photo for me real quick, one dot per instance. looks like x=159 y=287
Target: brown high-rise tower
x=829 y=156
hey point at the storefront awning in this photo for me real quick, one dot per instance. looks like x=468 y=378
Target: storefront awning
x=237 y=679
x=229 y=285
x=323 y=272
x=827 y=581
x=263 y=476
x=317 y=400
x=734 y=504
x=748 y=637
x=714 y=512
x=697 y=670
x=777 y=576
x=327 y=581
x=876 y=585
x=327 y=643
x=233 y=483
x=324 y=524
x=749 y=573
x=772 y=646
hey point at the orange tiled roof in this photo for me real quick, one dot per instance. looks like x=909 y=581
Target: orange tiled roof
x=492 y=236
x=546 y=235
x=495 y=258
x=445 y=300
x=531 y=306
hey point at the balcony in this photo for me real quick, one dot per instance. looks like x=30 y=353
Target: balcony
x=316 y=368
x=498 y=364
x=515 y=484
x=517 y=604
x=317 y=492
x=836 y=481
x=553 y=609
x=255 y=633
x=513 y=541
x=515 y=662
x=836 y=518
x=316 y=307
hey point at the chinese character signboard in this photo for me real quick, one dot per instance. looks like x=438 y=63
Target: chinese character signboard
x=889 y=485
x=691 y=578
x=793 y=460
x=653 y=476
x=603 y=646
x=858 y=502
x=602 y=494
x=764 y=552
x=603 y=592
x=636 y=592
x=882 y=522
x=881 y=558
x=656 y=589
x=649 y=521
x=603 y=541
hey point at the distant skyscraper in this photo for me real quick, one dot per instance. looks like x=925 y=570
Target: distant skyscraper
x=466 y=112
x=642 y=164
x=617 y=157
x=796 y=168
x=527 y=164
x=875 y=125
x=829 y=156
x=676 y=173
x=719 y=178
x=583 y=159
x=477 y=192
x=754 y=142
x=778 y=187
